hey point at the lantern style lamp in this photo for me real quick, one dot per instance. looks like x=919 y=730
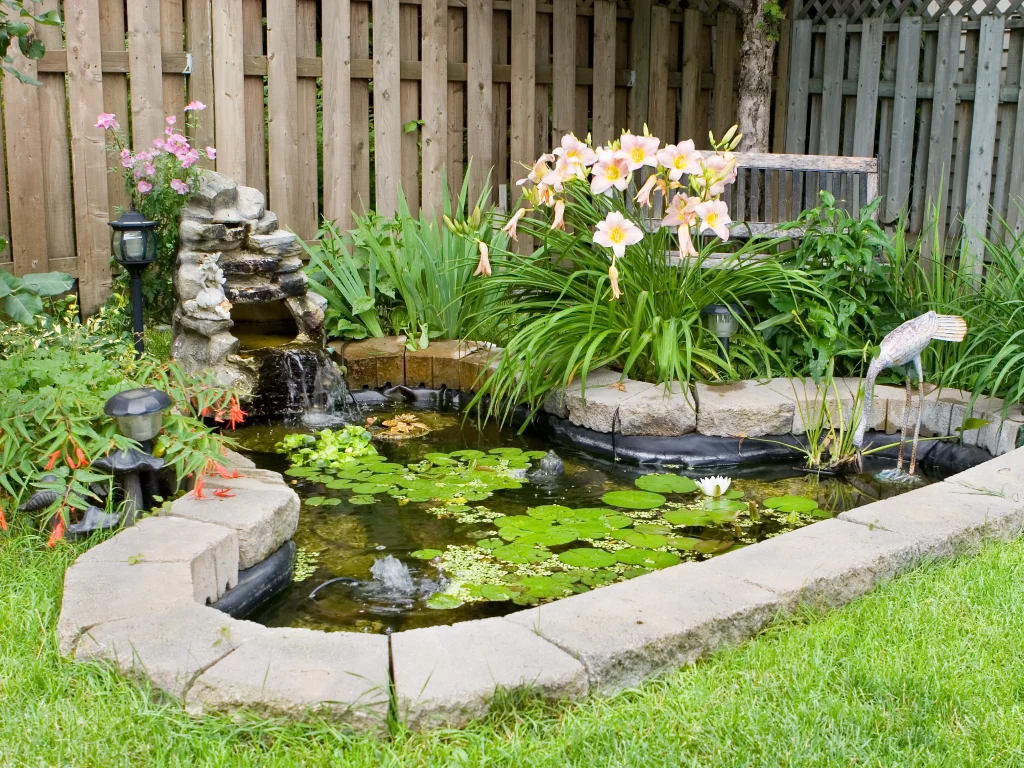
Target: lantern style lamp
x=723 y=322
x=133 y=242
x=139 y=414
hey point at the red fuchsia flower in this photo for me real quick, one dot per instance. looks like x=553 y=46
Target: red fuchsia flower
x=53 y=460
x=213 y=467
x=211 y=153
x=126 y=158
x=224 y=493
x=80 y=455
x=107 y=121
x=58 y=532
x=144 y=187
x=171 y=119
x=179 y=186
x=195 y=106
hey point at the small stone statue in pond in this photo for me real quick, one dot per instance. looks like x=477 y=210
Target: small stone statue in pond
x=904 y=346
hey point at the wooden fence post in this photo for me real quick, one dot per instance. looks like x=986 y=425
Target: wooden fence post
x=229 y=89
x=387 y=117
x=337 y=88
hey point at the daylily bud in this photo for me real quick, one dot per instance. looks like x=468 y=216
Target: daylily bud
x=476 y=217
x=613 y=276
x=484 y=267
x=450 y=224
x=729 y=134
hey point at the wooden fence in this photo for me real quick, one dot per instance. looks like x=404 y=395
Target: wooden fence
x=330 y=106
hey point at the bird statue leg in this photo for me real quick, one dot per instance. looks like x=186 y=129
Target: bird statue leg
x=905 y=428
x=920 y=413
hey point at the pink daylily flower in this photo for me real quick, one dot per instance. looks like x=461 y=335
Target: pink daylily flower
x=107 y=121
x=576 y=152
x=484 y=267
x=644 y=195
x=679 y=159
x=714 y=215
x=719 y=171
x=610 y=171
x=616 y=232
x=538 y=171
x=144 y=187
x=510 y=227
x=559 y=221
x=638 y=151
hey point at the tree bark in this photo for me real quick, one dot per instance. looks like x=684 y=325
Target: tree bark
x=757 y=52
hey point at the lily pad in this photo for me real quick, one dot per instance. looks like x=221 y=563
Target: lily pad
x=495 y=592
x=302 y=471
x=633 y=499
x=586 y=514
x=615 y=520
x=426 y=554
x=439 y=459
x=590 y=529
x=791 y=503
x=337 y=485
x=520 y=554
x=733 y=493
x=509 y=451
x=315 y=501
x=687 y=517
x=442 y=601
x=642 y=540
x=467 y=454
x=369 y=489
x=363 y=500
x=523 y=523
x=685 y=543
x=598 y=578
x=550 y=512
x=490 y=543
x=664 y=530
x=648 y=558
x=712 y=546
x=666 y=483
x=535 y=454
x=587 y=557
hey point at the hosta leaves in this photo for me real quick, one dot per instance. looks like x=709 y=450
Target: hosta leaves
x=666 y=483
x=633 y=499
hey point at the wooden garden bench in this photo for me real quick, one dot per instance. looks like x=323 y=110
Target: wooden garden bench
x=773 y=189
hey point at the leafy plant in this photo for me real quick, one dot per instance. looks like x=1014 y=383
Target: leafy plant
x=23 y=296
x=19 y=29
x=55 y=384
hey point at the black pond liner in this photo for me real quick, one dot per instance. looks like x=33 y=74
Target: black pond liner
x=258 y=584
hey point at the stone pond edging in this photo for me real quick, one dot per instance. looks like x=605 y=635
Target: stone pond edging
x=141 y=599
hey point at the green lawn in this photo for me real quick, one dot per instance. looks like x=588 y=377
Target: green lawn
x=925 y=671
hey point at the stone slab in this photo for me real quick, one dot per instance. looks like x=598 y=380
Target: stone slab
x=743 y=408
x=825 y=564
x=237 y=460
x=171 y=647
x=342 y=676
x=211 y=551
x=987 y=408
x=557 y=402
x=375 y=362
x=1003 y=475
x=264 y=515
x=626 y=632
x=476 y=367
x=938 y=410
x=277 y=243
x=446 y=357
x=944 y=519
x=95 y=593
x=597 y=407
x=659 y=411
x=446 y=676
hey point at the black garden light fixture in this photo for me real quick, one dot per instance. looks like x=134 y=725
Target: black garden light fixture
x=133 y=242
x=139 y=414
x=723 y=322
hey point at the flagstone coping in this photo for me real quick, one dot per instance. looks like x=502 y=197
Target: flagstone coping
x=147 y=612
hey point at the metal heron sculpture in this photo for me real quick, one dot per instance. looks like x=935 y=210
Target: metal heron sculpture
x=902 y=346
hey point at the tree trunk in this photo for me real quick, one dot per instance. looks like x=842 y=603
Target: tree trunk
x=756 y=54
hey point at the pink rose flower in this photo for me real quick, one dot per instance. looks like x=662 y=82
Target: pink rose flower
x=144 y=187
x=179 y=186
x=107 y=121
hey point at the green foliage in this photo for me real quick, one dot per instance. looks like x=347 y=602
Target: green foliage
x=328 y=448
x=845 y=256
x=406 y=275
x=23 y=296
x=19 y=29
x=56 y=381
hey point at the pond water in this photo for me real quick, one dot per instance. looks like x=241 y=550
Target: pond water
x=415 y=536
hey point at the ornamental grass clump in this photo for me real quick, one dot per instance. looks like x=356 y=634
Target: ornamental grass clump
x=620 y=276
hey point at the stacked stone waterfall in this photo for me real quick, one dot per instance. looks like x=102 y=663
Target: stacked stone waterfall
x=231 y=253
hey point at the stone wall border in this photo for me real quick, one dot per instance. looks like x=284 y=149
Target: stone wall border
x=148 y=613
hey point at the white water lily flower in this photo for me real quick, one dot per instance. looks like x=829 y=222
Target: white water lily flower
x=714 y=486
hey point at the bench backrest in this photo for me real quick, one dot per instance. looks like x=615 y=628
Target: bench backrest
x=771 y=189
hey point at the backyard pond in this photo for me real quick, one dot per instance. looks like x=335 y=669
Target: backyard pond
x=415 y=518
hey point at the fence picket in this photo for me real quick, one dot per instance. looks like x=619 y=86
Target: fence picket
x=199 y=42
x=456 y=99
x=146 y=70
x=387 y=114
x=940 y=140
x=563 y=87
x=337 y=98
x=360 y=98
x=254 y=149
x=435 y=103
x=640 y=63
x=500 y=102
x=229 y=93
x=689 y=103
x=86 y=96
x=723 y=102
x=868 y=74
x=832 y=90
x=604 y=71
x=903 y=116
x=172 y=40
x=409 y=29
x=659 y=112
x=964 y=110
x=115 y=88
x=305 y=206
x=524 y=74
x=918 y=204
x=983 y=137
x=799 y=74
x=482 y=109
